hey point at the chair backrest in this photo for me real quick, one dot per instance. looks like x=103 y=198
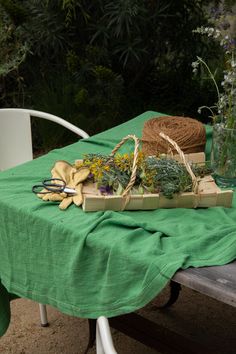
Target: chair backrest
x=15 y=134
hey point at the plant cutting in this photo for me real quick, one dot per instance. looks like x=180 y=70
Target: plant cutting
x=223 y=112
x=154 y=174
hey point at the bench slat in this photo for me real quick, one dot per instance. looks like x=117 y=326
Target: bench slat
x=218 y=282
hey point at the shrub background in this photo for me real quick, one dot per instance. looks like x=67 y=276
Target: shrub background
x=100 y=63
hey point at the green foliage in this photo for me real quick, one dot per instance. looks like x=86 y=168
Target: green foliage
x=151 y=44
x=227 y=4
x=55 y=94
x=71 y=6
x=46 y=29
x=15 y=11
x=99 y=94
x=120 y=57
x=13 y=52
x=169 y=176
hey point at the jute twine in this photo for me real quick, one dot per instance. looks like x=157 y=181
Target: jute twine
x=183 y=160
x=134 y=166
x=188 y=133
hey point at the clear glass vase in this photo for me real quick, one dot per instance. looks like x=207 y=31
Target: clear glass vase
x=223 y=155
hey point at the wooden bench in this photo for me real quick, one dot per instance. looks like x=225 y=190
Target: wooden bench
x=218 y=282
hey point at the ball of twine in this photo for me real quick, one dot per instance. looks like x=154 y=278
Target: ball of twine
x=187 y=132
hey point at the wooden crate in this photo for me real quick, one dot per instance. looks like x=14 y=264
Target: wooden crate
x=208 y=195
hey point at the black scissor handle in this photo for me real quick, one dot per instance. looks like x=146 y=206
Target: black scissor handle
x=37 y=189
x=49 y=186
x=54 y=187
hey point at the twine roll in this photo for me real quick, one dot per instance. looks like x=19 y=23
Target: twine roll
x=188 y=133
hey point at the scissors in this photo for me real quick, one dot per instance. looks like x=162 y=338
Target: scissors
x=52 y=186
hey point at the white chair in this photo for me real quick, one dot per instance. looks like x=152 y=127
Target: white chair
x=16 y=148
x=15 y=134
x=104 y=343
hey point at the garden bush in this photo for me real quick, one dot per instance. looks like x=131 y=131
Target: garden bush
x=100 y=63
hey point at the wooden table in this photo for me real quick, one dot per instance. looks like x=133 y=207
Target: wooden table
x=218 y=282
x=27 y=253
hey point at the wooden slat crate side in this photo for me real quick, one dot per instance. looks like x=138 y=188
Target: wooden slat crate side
x=198 y=157
x=210 y=196
x=225 y=198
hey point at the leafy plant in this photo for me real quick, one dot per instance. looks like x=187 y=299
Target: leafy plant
x=55 y=95
x=71 y=6
x=14 y=50
x=121 y=57
x=99 y=95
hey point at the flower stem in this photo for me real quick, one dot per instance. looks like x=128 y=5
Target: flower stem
x=211 y=75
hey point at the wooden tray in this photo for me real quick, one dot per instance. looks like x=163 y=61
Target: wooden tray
x=205 y=192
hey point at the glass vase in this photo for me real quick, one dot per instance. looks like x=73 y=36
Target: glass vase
x=223 y=155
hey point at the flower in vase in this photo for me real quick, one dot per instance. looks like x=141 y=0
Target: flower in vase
x=222 y=31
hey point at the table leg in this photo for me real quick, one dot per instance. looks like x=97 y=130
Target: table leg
x=92 y=334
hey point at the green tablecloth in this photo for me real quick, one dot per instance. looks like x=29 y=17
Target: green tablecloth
x=99 y=263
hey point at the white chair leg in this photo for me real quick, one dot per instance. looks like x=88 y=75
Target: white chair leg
x=104 y=343
x=43 y=315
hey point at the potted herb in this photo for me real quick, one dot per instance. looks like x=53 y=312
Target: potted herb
x=223 y=112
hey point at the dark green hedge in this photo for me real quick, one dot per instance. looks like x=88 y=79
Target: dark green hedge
x=98 y=63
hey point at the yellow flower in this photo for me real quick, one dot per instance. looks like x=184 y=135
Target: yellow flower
x=99 y=162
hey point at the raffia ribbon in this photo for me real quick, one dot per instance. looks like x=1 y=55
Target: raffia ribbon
x=134 y=166
x=183 y=160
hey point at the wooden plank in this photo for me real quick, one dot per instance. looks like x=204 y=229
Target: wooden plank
x=225 y=198
x=93 y=203
x=197 y=157
x=151 y=201
x=156 y=336
x=218 y=282
x=113 y=202
x=209 y=197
